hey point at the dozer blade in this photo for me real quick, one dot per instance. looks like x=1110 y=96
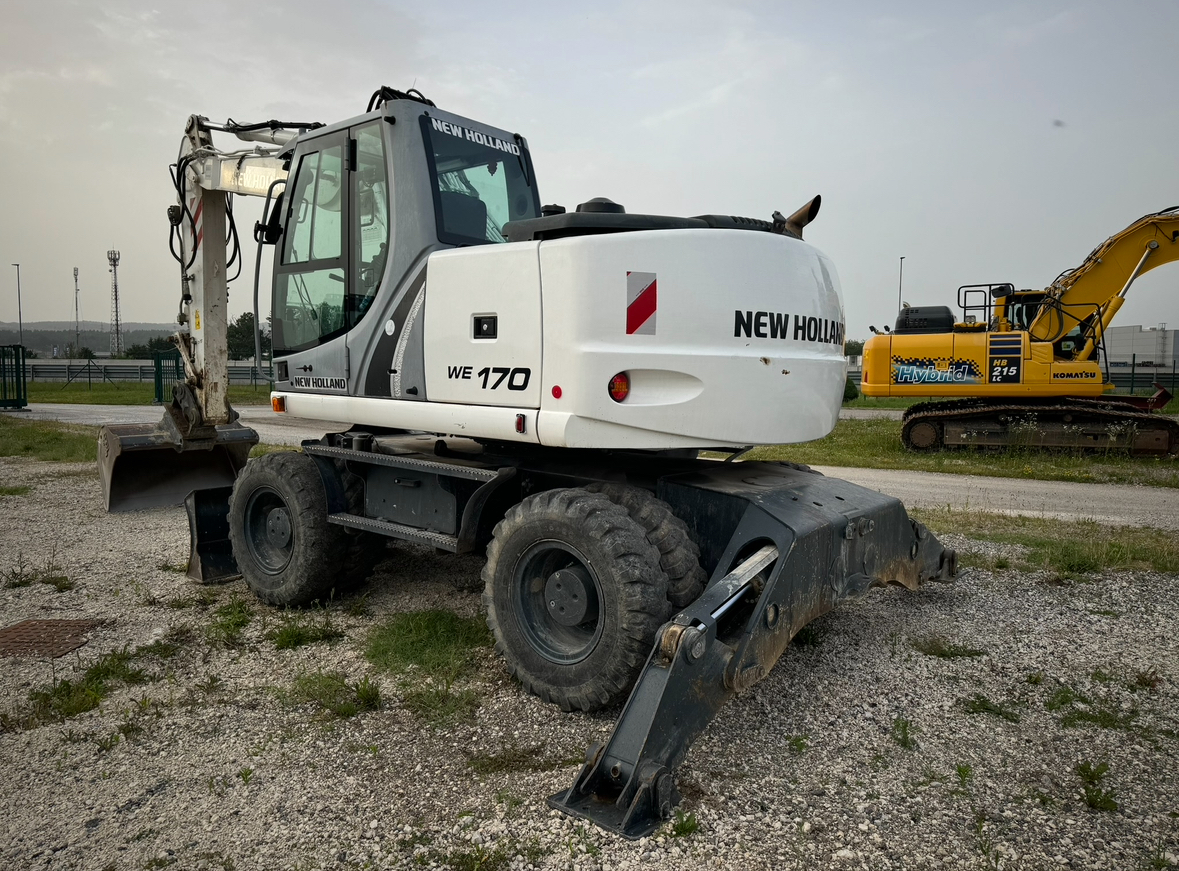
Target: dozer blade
x=153 y=465
x=788 y=545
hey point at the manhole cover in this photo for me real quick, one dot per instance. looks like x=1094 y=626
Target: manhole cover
x=44 y=637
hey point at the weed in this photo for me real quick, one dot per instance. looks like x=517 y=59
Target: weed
x=1036 y=678
x=244 y=775
x=178 y=568
x=965 y=773
x=440 y=704
x=145 y=834
x=1101 y=715
x=517 y=758
x=984 y=842
x=129 y=729
x=24 y=575
x=218 y=786
x=297 y=630
x=980 y=704
x=508 y=800
x=15 y=491
x=440 y=643
x=904 y=733
x=107 y=742
x=360 y=606
x=1101 y=676
x=334 y=695
x=797 y=743
x=1002 y=562
x=1063 y=697
x=1158 y=857
x=228 y=623
x=202 y=599
x=936 y=645
x=1147 y=680
x=1091 y=777
x=211 y=684
x=581 y=842
x=684 y=824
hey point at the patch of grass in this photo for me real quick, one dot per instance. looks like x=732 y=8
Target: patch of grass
x=797 y=743
x=1070 y=548
x=264 y=448
x=1062 y=697
x=178 y=568
x=298 y=629
x=47 y=440
x=684 y=824
x=877 y=444
x=202 y=599
x=15 y=491
x=335 y=695
x=244 y=775
x=439 y=643
x=67 y=698
x=25 y=575
x=441 y=704
x=1101 y=676
x=980 y=704
x=1096 y=797
x=904 y=733
x=516 y=758
x=937 y=645
x=128 y=393
x=1036 y=678
x=229 y=621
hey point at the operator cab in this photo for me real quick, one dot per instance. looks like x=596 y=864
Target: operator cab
x=367 y=200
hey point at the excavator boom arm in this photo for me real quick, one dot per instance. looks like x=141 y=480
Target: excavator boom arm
x=1094 y=290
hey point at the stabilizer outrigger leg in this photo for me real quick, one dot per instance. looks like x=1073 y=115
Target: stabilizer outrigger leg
x=798 y=544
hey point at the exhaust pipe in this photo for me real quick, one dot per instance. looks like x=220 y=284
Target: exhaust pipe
x=793 y=225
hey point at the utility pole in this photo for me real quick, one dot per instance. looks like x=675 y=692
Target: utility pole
x=20 y=320
x=77 y=329
x=900 y=285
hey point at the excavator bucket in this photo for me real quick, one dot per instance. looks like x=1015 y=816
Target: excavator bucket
x=157 y=465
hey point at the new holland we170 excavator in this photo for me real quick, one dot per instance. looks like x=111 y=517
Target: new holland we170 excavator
x=531 y=381
x=1025 y=366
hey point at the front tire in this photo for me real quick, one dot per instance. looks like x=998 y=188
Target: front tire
x=574 y=595
x=286 y=550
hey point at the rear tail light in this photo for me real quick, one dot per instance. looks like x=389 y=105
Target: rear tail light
x=620 y=387
x=278 y=403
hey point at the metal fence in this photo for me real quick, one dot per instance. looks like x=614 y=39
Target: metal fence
x=13 y=374
x=143 y=371
x=168 y=371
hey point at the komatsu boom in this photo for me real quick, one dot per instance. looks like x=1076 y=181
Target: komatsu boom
x=532 y=382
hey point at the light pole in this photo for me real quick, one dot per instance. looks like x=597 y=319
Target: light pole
x=20 y=320
x=900 y=285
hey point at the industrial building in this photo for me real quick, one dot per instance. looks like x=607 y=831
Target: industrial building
x=1142 y=346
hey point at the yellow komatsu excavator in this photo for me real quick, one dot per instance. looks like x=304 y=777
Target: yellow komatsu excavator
x=1025 y=367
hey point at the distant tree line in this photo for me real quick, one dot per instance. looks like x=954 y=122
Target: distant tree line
x=137 y=344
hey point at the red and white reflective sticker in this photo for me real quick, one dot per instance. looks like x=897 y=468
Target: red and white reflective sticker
x=641 y=302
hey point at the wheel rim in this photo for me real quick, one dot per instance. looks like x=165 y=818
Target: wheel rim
x=270 y=536
x=558 y=600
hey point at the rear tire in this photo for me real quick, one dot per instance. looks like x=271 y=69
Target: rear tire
x=679 y=557
x=286 y=550
x=574 y=595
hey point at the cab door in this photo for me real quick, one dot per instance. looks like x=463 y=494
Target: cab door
x=311 y=307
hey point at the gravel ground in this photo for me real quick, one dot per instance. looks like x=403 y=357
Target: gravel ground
x=220 y=769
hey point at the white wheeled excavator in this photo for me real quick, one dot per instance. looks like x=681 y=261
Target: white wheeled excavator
x=531 y=381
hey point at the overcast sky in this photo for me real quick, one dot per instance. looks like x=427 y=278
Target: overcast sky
x=983 y=141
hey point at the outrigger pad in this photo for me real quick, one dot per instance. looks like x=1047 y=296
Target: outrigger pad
x=784 y=545
x=153 y=466
x=210 y=558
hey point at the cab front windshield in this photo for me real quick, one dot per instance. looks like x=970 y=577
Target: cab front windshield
x=480 y=182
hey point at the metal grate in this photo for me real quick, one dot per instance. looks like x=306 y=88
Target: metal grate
x=44 y=637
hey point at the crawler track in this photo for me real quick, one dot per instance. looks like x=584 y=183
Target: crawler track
x=1086 y=424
